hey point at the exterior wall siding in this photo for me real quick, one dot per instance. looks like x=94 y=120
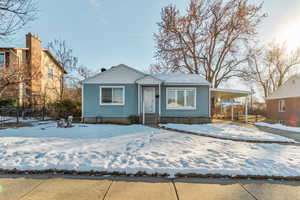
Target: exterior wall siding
x=202 y=104
x=92 y=107
x=51 y=87
x=291 y=116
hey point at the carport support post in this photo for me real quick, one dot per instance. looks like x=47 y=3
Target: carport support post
x=232 y=110
x=143 y=110
x=246 y=110
x=159 y=99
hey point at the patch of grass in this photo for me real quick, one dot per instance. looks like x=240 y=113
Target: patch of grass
x=142 y=174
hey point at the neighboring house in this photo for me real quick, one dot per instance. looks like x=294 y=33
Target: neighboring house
x=284 y=104
x=37 y=75
x=125 y=95
x=121 y=94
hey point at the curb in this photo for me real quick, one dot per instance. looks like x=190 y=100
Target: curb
x=143 y=174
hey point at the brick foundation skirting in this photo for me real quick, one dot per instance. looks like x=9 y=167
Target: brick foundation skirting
x=109 y=120
x=185 y=120
x=163 y=120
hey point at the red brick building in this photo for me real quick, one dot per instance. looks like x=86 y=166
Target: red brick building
x=284 y=104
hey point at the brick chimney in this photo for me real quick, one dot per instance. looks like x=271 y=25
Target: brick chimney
x=35 y=61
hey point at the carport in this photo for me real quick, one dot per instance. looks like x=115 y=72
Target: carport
x=228 y=95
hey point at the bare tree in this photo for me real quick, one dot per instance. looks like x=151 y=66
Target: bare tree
x=10 y=77
x=65 y=56
x=271 y=66
x=209 y=39
x=84 y=72
x=14 y=75
x=14 y=15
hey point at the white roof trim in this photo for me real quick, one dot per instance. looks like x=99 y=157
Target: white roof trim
x=182 y=79
x=229 y=93
x=282 y=97
x=120 y=74
x=148 y=79
x=191 y=84
x=289 y=89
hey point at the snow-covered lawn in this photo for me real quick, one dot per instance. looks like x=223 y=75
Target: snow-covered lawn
x=139 y=148
x=278 y=126
x=7 y=119
x=228 y=131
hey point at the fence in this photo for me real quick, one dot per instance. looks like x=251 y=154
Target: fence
x=10 y=114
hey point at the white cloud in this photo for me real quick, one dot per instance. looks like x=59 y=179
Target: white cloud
x=95 y=3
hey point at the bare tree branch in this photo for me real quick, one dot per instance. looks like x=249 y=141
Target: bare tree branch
x=15 y=15
x=209 y=39
x=270 y=66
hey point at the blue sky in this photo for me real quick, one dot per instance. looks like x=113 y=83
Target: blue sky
x=103 y=33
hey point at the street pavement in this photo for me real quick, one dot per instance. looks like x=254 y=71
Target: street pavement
x=127 y=188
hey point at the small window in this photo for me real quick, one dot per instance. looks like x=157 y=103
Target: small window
x=181 y=98
x=281 y=105
x=50 y=73
x=112 y=95
x=2 y=60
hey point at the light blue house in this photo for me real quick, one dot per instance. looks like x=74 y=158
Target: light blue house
x=125 y=95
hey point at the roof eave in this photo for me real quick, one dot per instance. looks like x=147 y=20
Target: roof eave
x=55 y=60
x=190 y=84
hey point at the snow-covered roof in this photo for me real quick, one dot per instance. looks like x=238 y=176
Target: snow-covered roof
x=179 y=78
x=291 y=88
x=126 y=74
x=121 y=74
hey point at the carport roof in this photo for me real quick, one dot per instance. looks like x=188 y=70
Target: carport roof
x=228 y=93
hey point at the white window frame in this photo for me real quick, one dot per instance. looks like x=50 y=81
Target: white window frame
x=52 y=75
x=4 y=61
x=181 y=88
x=112 y=104
x=280 y=105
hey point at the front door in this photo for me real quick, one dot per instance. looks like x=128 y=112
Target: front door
x=149 y=99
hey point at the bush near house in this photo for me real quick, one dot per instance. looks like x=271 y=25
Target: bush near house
x=134 y=119
x=64 y=108
x=8 y=102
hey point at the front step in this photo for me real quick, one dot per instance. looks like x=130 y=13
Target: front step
x=151 y=119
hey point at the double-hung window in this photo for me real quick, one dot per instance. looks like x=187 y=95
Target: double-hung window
x=112 y=95
x=181 y=98
x=281 y=105
x=2 y=60
x=50 y=73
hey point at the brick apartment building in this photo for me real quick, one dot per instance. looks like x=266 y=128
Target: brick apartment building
x=33 y=74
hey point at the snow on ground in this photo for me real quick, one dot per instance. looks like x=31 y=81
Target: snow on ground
x=229 y=131
x=278 y=126
x=139 y=148
x=7 y=119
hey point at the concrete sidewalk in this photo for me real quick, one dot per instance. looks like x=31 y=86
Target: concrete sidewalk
x=123 y=188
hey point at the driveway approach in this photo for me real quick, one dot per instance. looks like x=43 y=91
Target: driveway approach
x=123 y=188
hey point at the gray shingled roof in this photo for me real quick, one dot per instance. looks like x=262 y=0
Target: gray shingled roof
x=180 y=78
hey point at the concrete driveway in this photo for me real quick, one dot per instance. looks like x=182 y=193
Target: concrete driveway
x=118 y=188
x=288 y=134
